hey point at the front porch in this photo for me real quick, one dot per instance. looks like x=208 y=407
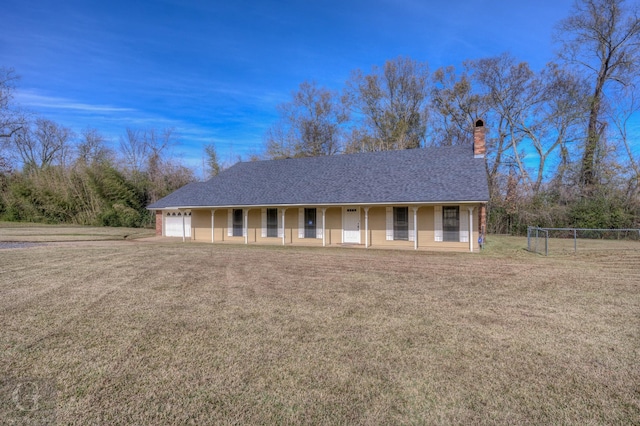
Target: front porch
x=447 y=227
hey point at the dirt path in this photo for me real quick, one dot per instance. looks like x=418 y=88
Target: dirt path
x=17 y=245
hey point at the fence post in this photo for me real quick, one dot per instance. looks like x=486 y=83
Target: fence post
x=587 y=233
x=546 y=243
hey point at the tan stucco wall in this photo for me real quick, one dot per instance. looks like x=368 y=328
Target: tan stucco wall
x=378 y=229
x=333 y=223
x=200 y=225
x=201 y=228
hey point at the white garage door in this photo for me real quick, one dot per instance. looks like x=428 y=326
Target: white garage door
x=173 y=225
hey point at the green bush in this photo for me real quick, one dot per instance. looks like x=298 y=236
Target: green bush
x=601 y=211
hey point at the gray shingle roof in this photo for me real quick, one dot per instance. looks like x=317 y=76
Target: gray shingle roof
x=439 y=174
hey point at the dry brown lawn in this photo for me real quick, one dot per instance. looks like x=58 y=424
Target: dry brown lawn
x=154 y=333
x=37 y=232
x=565 y=246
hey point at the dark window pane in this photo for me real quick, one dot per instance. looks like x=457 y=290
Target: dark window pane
x=309 y=223
x=451 y=223
x=272 y=222
x=401 y=223
x=237 y=222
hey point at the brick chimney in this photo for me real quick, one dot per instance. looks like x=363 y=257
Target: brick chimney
x=159 y=222
x=479 y=143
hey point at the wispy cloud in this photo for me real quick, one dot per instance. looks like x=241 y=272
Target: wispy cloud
x=34 y=100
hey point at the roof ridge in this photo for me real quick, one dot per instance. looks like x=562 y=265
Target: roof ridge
x=367 y=153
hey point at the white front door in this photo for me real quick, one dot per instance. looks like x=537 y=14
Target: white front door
x=351 y=227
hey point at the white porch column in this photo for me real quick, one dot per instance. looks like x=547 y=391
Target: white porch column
x=245 y=225
x=212 y=228
x=415 y=228
x=323 y=228
x=471 y=209
x=366 y=227
x=183 y=230
x=284 y=234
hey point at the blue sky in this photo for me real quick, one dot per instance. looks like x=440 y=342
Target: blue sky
x=215 y=70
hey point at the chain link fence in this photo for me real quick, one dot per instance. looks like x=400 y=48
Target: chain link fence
x=574 y=240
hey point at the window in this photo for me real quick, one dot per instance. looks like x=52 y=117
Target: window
x=310 y=223
x=272 y=223
x=401 y=223
x=451 y=223
x=237 y=223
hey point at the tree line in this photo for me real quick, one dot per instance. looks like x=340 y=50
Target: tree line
x=67 y=178
x=561 y=148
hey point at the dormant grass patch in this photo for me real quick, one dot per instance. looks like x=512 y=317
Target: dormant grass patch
x=36 y=232
x=148 y=333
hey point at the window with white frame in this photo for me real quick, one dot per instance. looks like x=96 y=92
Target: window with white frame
x=401 y=223
x=310 y=223
x=237 y=223
x=272 y=223
x=451 y=223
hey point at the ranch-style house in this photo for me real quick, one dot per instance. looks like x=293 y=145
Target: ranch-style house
x=428 y=198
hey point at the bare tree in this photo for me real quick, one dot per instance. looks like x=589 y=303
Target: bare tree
x=506 y=87
x=46 y=144
x=280 y=141
x=144 y=154
x=534 y=116
x=455 y=106
x=165 y=176
x=159 y=169
x=601 y=37
x=310 y=124
x=92 y=147
x=158 y=142
x=627 y=105
x=393 y=102
x=134 y=150
x=11 y=119
x=557 y=110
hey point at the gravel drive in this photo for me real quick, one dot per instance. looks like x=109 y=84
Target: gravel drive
x=15 y=245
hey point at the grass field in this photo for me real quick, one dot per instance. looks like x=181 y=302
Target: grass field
x=567 y=246
x=34 y=232
x=136 y=332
